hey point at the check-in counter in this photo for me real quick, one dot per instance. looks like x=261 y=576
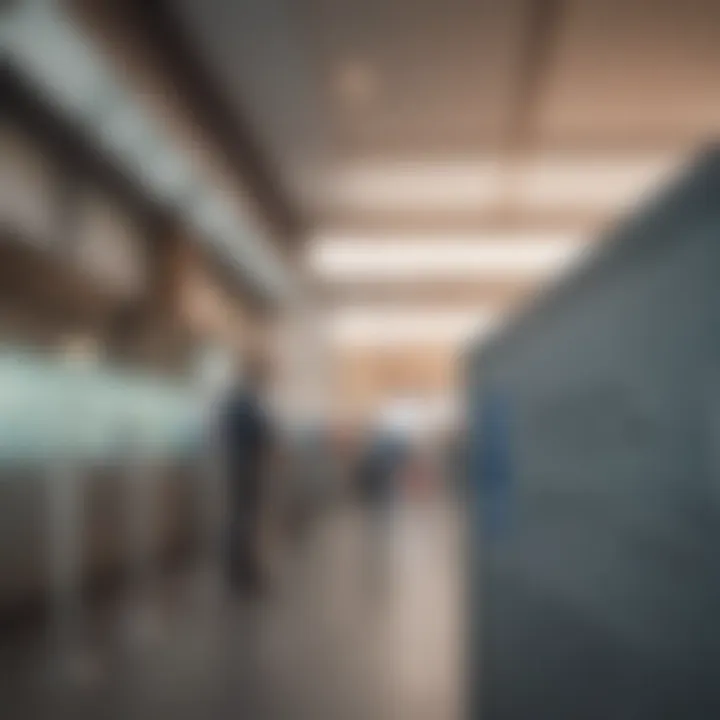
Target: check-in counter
x=125 y=447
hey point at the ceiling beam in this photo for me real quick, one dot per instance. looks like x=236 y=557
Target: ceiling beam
x=538 y=43
x=169 y=44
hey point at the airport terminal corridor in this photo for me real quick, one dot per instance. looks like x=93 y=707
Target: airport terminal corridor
x=360 y=621
x=359 y=359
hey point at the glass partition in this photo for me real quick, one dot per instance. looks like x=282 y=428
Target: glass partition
x=51 y=408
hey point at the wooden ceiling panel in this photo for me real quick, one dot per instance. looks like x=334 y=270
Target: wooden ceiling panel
x=441 y=74
x=638 y=74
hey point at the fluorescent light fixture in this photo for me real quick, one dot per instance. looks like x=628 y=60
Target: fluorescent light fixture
x=210 y=215
x=41 y=40
x=53 y=53
x=548 y=182
x=413 y=185
x=407 y=259
x=403 y=326
x=169 y=173
x=551 y=183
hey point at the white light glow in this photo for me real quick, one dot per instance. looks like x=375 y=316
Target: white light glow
x=347 y=257
x=594 y=184
x=401 y=326
x=413 y=185
x=548 y=182
x=414 y=416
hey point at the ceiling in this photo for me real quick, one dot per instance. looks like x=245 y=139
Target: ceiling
x=425 y=120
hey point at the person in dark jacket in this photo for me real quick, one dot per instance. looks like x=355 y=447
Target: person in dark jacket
x=246 y=437
x=383 y=456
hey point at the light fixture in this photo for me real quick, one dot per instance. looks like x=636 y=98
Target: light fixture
x=556 y=183
x=346 y=257
x=420 y=186
x=355 y=82
x=407 y=326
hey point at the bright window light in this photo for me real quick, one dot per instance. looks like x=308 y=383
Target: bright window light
x=401 y=326
x=349 y=258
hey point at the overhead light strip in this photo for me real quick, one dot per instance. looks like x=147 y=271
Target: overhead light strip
x=42 y=42
x=357 y=258
x=545 y=182
x=399 y=326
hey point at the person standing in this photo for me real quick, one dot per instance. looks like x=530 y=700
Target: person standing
x=246 y=434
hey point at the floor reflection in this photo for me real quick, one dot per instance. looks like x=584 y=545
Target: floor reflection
x=363 y=622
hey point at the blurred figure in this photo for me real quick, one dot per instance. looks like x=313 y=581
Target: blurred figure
x=383 y=457
x=247 y=440
x=422 y=474
x=311 y=478
x=453 y=453
x=379 y=469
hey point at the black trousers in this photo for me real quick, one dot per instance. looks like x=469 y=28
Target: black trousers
x=243 y=541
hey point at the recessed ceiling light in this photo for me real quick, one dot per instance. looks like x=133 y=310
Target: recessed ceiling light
x=356 y=82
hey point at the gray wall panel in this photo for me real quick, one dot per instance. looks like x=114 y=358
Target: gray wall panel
x=601 y=596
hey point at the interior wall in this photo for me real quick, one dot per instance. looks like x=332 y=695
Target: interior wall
x=594 y=426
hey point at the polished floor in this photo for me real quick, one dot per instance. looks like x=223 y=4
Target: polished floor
x=363 y=622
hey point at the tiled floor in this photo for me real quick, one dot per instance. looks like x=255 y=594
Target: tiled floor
x=362 y=623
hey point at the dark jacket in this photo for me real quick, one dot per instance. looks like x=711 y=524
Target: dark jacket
x=383 y=457
x=246 y=439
